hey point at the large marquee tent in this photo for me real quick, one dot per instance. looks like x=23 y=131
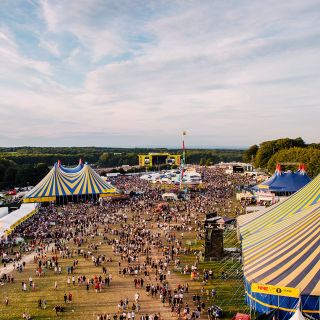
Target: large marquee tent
x=285 y=182
x=281 y=255
x=63 y=183
x=305 y=197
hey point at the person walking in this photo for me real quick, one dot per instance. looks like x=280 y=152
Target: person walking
x=44 y=303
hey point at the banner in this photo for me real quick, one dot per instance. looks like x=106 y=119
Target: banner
x=39 y=199
x=275 y=290
x=263 y=186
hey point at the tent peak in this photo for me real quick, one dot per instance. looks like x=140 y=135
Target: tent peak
x=278 y=168
x=302 y=168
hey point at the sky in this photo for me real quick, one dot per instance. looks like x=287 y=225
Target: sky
x=137 y=73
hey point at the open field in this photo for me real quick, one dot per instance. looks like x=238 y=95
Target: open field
x=86 y=305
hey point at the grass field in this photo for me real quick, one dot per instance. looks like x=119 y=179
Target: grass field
x=230 y=292
x=86 y=305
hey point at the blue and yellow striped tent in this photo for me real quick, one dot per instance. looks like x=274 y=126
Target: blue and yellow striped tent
x=300 y=200
x=281 y=253
x=64 y=182
x=286 y=255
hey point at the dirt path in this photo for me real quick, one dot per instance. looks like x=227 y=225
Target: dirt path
x=27 y=258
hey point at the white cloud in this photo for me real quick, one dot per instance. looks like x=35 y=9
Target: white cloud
x=78 y=19
x=13 y=64
x=50 y=46
x=228 y=73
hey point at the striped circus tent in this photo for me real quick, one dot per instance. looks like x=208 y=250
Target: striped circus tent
x=300 y=200
x=282 y=265
x=281 y=254
x=70 y=182
x=252 y=241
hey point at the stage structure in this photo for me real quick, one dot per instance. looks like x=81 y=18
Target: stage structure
x=213 y=238
x=158 y=159
x=63 y=184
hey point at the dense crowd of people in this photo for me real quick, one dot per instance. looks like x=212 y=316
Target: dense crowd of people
x=146 y=242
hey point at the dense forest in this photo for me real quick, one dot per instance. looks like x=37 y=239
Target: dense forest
x=286 y=150
x=22 y=166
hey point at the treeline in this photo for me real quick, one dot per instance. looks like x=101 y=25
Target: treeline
x=14 y=175
x=269 y=153
x=109 y=157
x=208 y=157
x=71 y=155
x=22 y=166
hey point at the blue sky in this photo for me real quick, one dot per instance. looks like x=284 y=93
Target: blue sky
x=137 y=73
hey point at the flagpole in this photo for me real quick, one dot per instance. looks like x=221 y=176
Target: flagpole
x=183 y=159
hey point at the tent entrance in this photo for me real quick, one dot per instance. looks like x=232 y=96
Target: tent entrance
x=60 y=200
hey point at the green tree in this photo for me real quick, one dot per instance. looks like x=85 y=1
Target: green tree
x=309 y=156
x=40 y=171
x=25 y=175
x=7 y=177
x=249 y=154
x=314 y=145
x=268 y=148
x=104 y=159
x=10 y=177
x=2 y=171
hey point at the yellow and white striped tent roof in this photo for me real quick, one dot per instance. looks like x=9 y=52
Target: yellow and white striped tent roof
x=287 y=253
x=302 y=199
x=62 y=181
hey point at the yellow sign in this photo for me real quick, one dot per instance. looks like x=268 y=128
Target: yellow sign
x=263 y=186
x=40 y=199
x=275 y=290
